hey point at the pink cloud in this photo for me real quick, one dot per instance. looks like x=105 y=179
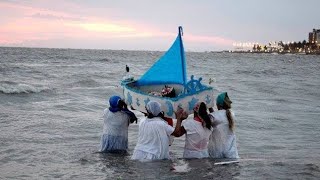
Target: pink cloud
x=42 y=24
x=25 y=10
x=29 y=23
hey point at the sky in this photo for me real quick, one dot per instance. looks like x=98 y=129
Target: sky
x=208 y=25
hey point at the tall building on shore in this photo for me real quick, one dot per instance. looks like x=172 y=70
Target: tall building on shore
x=314 y=37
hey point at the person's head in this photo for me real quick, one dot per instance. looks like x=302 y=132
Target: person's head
x=153 y=109
x=116 y=103
x=200 y=110
x=223 y=101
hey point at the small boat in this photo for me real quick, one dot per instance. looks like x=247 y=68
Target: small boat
x=166 y=82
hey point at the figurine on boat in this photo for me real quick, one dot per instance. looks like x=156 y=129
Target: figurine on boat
x=166 y=82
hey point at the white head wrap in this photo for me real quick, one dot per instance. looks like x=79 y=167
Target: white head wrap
x=154 y=108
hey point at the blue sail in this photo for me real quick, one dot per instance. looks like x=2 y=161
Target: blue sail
x=170 y=68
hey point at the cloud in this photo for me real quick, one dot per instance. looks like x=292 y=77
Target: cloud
x=103 y=27
x=36 y=25
x=55 y=17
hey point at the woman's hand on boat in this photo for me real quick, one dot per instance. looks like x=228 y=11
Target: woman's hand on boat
x=181 y=114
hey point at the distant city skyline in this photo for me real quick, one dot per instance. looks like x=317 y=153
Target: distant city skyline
x=209 y=25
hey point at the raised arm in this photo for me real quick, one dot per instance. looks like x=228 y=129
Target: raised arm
x=124 y=108
x=179 y=130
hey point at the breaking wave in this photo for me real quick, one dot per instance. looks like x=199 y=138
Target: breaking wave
x=7 y=87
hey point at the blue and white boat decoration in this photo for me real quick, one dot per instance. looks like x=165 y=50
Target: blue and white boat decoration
x=166 y=82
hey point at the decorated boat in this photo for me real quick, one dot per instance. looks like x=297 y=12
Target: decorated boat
x=166 y=82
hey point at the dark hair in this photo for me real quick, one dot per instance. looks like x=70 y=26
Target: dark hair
x=227 y=107
x=203 y=114
x=120 y=104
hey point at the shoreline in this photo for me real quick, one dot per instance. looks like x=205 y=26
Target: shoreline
x=276 y=53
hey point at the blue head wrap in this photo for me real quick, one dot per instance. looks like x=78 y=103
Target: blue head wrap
x=114 y=102
x=114 y=107
x=223 y=98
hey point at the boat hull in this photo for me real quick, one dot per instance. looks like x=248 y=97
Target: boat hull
x=138 y=97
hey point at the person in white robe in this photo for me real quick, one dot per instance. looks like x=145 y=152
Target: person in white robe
x=154 y=134
x=197 y=131
x=115 y=129
x=222 y=142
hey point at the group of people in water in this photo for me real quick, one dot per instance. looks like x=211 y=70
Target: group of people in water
x=208 y=134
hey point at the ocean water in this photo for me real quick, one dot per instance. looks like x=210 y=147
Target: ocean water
x=52 y=100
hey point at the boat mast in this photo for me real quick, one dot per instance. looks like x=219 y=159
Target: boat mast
x=183 y=60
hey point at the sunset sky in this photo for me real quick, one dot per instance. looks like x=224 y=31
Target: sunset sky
x=209 y=25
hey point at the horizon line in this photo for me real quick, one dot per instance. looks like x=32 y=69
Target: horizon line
x=36 y=47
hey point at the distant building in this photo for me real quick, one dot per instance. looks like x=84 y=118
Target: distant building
x=314 y=37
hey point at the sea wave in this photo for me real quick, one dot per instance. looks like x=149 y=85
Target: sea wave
x=84 y=83
x=105 y=60
x=7 y=87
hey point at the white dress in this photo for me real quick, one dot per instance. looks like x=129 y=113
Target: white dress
x=222 y=142
x=153 y=139
x=115 y=131
x=197 y=138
